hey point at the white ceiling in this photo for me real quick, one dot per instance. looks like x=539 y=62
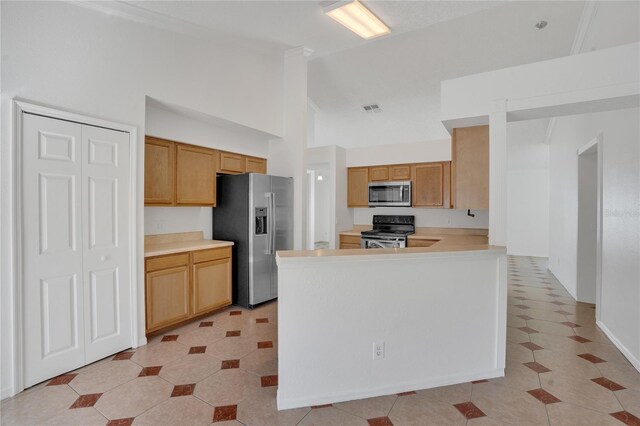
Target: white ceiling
x=403 y=74
x=280 y=25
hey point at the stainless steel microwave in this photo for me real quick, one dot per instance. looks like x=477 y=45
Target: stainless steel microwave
x=390 y=194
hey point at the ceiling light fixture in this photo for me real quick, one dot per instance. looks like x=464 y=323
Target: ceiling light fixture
x=356 y=17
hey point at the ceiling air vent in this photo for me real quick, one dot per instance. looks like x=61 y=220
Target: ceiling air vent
x=373 y=108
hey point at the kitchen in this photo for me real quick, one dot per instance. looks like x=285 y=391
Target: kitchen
x=238 y=124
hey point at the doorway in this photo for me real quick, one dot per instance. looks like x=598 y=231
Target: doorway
x=589 y=219
x=319 y=209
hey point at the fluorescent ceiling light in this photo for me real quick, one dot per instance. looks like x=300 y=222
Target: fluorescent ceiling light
x=355 y=16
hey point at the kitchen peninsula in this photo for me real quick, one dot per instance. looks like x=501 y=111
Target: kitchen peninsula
x=357 y=323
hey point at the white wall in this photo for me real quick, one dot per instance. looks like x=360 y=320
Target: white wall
x=420 y=304
x=80 y=60
x=527 y=189
x=618 y=310
x=427 y=218
x=323 y=214
x=528 y=213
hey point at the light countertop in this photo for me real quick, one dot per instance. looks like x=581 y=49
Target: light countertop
x=158 y=245
x=447 y=239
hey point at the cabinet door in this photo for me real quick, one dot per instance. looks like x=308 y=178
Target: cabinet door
x=380 y=173
x=470 y=167
x=167 y=297
x=400 y=172
x=358 y=187
x=231 y=163
x=159 y=171
x=429 y=185
x=211 y=285
x=196 y=176
x=256 y=165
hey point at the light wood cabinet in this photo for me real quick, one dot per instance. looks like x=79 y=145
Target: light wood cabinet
x=431 y=185
x=196 y=176
x=231 y=163
x=181 y=174
x=256 y=165
x=470 y=167
x=211 y=285
x=358 y=187
x=159 y=172
x=181 y=286
x=377 y=174
x=167 y=292
x=349 y=242
x=402 y=172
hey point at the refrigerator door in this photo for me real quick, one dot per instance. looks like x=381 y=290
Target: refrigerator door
x=282 y=200
x=260 y=238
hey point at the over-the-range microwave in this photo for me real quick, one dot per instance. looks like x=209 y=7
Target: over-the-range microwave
x=390 y=194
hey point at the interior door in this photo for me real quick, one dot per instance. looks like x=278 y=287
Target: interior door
x=105 y=209
x=282 y=189
x=52 y=278
x=260 y=263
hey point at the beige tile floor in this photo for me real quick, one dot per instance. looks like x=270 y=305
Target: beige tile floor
x=561 y=370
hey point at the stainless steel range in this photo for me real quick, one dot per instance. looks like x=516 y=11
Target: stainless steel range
x=388 y=232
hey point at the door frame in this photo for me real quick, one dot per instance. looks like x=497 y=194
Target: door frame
x=20 y=107
x=596 y=142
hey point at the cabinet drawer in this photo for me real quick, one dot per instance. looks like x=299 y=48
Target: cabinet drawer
x=211 y=254
x=349 y=246
x=349 y=239
x=165 y=262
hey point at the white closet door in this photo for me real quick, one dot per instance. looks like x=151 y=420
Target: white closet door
x=105 y=209
x=52 y=248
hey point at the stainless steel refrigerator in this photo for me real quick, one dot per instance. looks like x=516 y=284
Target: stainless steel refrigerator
x=254 y=211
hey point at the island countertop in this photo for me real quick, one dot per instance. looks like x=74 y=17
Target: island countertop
x=158 y=245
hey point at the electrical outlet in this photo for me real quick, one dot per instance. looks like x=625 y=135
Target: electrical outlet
x=378 y=350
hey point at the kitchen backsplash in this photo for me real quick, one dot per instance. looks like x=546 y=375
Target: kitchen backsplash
x=427 y=218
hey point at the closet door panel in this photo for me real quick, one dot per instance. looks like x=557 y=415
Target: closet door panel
x=52 y=289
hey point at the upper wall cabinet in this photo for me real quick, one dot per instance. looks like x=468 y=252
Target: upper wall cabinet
x=159 y=172
x=400 y=172
x=196 y=176
x=358 y=187
x=256 y=165
x=431 y=184
x=470 y=167
x=178 y=174
x=231 y=163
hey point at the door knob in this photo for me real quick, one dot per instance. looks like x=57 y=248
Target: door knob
x=103 y=258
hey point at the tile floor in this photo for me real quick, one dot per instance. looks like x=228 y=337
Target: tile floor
x=561 y=370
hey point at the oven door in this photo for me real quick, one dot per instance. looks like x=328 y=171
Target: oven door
x=390 y=194
x=369 y=243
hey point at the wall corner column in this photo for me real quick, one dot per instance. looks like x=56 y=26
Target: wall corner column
x=498 y=174
x=287 y=156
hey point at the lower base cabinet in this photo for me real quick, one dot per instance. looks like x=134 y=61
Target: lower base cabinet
x=349 y=242
x=185 y=285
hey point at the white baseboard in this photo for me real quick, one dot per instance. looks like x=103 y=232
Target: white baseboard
x=622 y=348
x=6 y=393
x=288 y=403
